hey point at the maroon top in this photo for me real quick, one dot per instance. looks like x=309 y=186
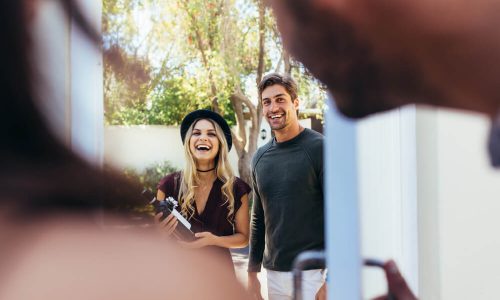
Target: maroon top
x=214 y=217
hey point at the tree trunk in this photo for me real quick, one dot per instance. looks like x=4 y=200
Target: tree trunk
x=245 y=148
x=244 y=167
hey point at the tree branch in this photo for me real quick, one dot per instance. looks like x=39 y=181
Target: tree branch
x=238 y=144
x=262 y=37
x=237 y=100
x=288 y=65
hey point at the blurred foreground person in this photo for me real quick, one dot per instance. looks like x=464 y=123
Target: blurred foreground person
x=379 y=55
x=51 y=204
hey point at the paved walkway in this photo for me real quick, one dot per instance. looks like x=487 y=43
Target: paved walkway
x=240 y=260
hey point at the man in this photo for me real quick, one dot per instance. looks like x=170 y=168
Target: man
x=287 y=174
x=378 y=55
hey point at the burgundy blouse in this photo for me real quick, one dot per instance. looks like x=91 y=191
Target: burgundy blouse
x=214 y=217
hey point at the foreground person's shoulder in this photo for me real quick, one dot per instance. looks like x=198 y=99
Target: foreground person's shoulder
x=69 y=259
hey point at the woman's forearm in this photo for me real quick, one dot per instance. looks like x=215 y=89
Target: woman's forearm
x=237 y=240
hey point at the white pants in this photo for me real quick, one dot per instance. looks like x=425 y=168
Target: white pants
x=280 y=284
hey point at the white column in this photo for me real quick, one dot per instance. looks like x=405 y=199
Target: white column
x=87 y=109
x=341 y=206
x=409 y=196
x=428 y=205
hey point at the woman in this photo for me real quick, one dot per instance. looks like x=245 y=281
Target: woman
x=210 y=197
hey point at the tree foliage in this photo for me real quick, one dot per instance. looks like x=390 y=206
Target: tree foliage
x=164 y=59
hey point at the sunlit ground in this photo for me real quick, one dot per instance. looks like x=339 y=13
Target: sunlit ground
x=240 y=260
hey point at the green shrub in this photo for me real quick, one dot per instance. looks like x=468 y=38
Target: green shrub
x=151 y=175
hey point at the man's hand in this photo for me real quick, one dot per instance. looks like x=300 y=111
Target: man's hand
x=254 y=286
x=321 y=294
x=398 y=287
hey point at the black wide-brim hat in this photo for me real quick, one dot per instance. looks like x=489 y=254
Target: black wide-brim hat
x=206 y=114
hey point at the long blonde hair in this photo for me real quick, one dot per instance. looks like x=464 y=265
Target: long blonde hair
x=190 y=177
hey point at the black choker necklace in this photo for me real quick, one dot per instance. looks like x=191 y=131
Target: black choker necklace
x=205 y=170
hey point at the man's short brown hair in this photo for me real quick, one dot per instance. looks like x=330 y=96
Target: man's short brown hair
x=276 y=78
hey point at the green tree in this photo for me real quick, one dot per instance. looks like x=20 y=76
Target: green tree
x=197 y=54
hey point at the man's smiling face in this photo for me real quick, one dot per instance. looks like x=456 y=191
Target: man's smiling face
x=279 y=109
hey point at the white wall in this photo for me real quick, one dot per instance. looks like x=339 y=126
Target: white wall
x=143 y=145
x=140 y=146
x=434 y=206
x=460 y=205
x=387 y=196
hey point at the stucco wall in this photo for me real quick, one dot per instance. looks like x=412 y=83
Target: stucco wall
x=387 y=195
x=432 y=206
x=459 y=199
x=140 y=146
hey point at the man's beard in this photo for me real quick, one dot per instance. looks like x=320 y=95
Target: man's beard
x=279 y=126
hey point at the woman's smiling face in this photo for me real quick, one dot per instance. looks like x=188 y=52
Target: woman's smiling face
x=203 y=143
